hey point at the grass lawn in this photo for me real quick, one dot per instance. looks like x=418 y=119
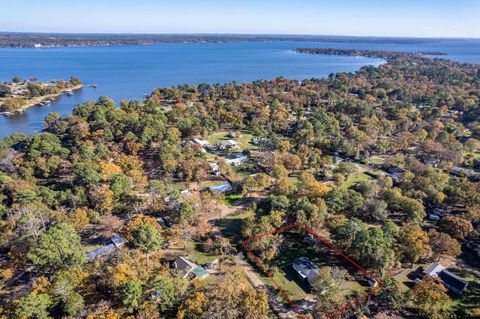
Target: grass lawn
x=193 y=250
x=231 y=226
x=244 y=140
x=230 y=200
x=289 y=285
x=354 y=179
x=206 y=184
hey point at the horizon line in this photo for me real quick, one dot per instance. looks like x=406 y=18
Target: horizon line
x=242 y=34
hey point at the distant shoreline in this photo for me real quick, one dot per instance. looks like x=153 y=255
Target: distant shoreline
x=52 y=40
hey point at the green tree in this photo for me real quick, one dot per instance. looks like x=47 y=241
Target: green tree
x=186 y=213
x=75 y=81
x=132 y=295
x=121 y=185
x=63 y=289
x=165 y=290
x=4 y=90
x=148 y=239
x=17 y=79
x=59 y=247
x=325 y=286
x=33 y=306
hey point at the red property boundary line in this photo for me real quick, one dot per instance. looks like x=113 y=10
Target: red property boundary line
x=323 y=240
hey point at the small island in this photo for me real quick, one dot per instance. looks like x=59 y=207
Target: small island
x=18 y=95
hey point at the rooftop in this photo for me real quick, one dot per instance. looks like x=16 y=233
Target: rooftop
x=306 y=268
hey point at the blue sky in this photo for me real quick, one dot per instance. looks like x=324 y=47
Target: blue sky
x=420 y=18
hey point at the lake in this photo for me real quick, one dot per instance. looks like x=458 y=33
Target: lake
x=129 y=72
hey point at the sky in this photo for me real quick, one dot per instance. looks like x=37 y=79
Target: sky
x=411 y=18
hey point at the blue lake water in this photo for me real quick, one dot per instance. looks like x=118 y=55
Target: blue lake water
x=129 y=72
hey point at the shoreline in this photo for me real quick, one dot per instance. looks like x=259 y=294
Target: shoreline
x=36 y=101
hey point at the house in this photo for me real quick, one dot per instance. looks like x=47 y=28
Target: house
x=433 y=269
x=164 y=222
x=431 y=161
x=306 y=270
x=237 y=160
x=186 y=267
x=106 y=249
x=215 y=168
x=116 y=242
x=233 y=143
x=433 y=217
x=460 y=171
x=453 y=282
x=372 y=282
x=337 y=159
x=222 y=145
x=200 y=142
x=450 y=281
x=224 y=188
x=396 y=173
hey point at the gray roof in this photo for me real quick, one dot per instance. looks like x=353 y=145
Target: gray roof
x=224 y=187
x=100 y=251
x=306 y=269
x=452 y=281
x=433 y=269
x=182 y=263
x=118 y=240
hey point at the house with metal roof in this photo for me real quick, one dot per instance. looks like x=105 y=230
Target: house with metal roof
x=306 y=269
x=433 y=269
x=224 y=187
x=186 y=267
x=237 y=160
x=450 y=281
x=116 y=242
